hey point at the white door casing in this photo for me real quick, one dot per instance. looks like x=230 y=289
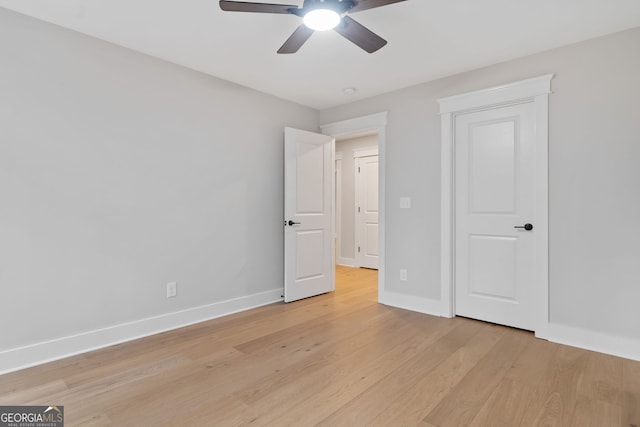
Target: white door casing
x=308 y=209
x=535 y=91
x=367 y=208
x=494 y=189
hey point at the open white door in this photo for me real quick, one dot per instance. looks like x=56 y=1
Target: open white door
x=308 y=231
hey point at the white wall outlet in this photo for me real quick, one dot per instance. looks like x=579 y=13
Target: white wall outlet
x=403 y=274
x=405 y=202
x=172 y=289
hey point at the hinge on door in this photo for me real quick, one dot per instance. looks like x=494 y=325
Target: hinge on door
x=358 y=169
x=358 y=208
x=358 y=249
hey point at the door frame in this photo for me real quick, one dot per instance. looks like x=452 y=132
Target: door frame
x=535 y=90
x=365 y=125
x=357 y=235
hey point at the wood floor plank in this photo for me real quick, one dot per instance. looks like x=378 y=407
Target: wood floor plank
x=315 y=396
x=599 y=401
x=602 y=380
x=314 y=378
x=466 y=399
x=335 y=359
x=630 y=393
x=314 y=330
x=410 y=405
x=35 y=393
x=508 y=403
x=372 y=340
x=367 y=405
x=93 y=420
x=591 y=412
x=38 y=375
x=94 y=397
x=555 y=399
x=533 y=363
x=227 y=411
x=506 y=406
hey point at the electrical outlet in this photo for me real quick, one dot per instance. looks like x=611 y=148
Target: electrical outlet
x=172 y=289
x=403 y=274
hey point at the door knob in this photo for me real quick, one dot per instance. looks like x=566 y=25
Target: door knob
x=527 y=227
x=292 y=223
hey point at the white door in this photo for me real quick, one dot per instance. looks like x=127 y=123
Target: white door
x=367 y=212
x=494 y=257
x=337 y=212
x=308 y=231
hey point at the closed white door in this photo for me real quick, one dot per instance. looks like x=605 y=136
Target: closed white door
x=308 y=226
x=495 y=221
x=367 y=212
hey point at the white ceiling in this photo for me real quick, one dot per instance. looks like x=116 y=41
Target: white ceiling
x=427 y=39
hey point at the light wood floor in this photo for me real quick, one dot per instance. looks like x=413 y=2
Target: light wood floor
x=333 y=360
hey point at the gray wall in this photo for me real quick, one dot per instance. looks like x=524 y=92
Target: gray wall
x=120 y=173
x=594 y=178
x=346 y=148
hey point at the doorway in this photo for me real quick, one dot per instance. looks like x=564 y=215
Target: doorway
x=494 y=142
x=357 y=204
x=367 y=125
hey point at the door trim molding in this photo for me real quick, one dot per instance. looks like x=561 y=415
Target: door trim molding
x=365 y=152
x=534 y=90
x=373 y=123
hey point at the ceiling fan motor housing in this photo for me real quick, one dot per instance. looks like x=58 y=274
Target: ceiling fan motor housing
x=339 y=6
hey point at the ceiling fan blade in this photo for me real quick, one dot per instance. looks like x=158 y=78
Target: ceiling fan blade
x=370 y=4
x=360 y=35
x=296 y=40
x=242 y=6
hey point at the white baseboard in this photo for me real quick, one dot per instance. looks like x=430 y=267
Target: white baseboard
x=592 y=340
x=575 y=337
x=43 y=352
x=346 y=262
x=408 y=302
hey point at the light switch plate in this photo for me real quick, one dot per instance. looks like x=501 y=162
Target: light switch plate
x=172 y=289
x=405 y=202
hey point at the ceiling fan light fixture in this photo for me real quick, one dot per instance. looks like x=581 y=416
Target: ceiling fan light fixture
x=321 y=19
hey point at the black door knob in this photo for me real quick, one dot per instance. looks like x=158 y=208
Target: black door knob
x=527 y=227
x=292 y=223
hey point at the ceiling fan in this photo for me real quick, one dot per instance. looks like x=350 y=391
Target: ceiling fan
x=320 y=15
